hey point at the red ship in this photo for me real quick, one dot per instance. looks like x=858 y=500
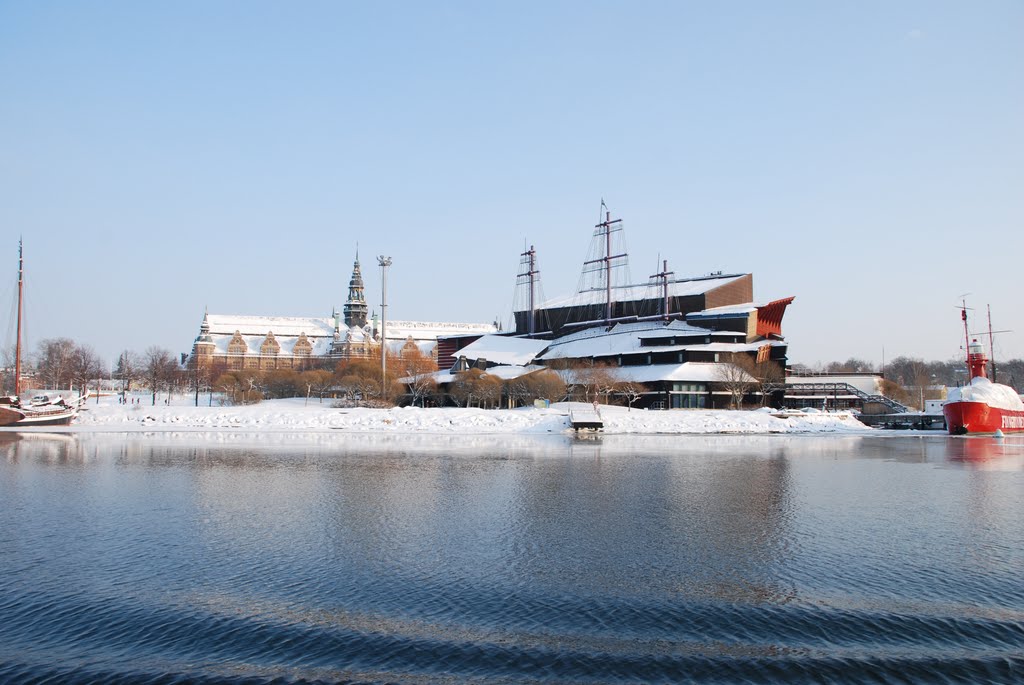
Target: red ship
x=982 y=406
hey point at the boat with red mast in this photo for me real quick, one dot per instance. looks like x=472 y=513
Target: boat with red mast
x=45 y=413
x=982 y=406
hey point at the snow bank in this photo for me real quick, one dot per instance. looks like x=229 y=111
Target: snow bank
x=984 y=390
x=296 y=415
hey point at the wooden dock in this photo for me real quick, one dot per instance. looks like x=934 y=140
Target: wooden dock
x=585 y=417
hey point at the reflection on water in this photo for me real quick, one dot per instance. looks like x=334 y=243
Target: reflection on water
x=229 y=556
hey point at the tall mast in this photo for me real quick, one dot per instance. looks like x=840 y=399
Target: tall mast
x=608 y=267
x=604 y=229
x=663 y=276
x=991 y=343
x=17 y=346
x=967 y=336
x=530 y=262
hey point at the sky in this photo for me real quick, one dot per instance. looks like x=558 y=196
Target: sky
x=159 y=159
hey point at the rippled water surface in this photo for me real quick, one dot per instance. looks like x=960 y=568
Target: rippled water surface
x=336 y=558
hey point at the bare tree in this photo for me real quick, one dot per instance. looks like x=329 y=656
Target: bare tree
x=518 y=390
x=7 y=370
x=160 y=369
x=199 y=377
x=631 y=391
x=55 y=362
x=361 y=380
x=418 y=370
x=280 y=383
x=489 y=390
x=915 y=377
x=476 y=386
x=592 y=379
x=85 y=366
x=736 y=377
x=127 y=371
x=317 y=381
x=851 y=365
x=895 y=391
x=463 y=389
x=770 y=377
x=546 y=385
x=232 y=385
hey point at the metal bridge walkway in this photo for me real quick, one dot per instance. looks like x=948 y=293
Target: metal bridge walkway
x=846 y=388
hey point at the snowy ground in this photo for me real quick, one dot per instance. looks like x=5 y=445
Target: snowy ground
x=298 y=415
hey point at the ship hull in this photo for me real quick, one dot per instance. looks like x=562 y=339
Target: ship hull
x=978 y=417
x=24 y=418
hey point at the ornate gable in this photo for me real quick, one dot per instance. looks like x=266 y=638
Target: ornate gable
x=237 y=344
x=270 y=345
x=409 y=346
x=303 y=348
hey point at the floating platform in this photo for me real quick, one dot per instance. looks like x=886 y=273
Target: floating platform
x=585 y=417
x=904 y=420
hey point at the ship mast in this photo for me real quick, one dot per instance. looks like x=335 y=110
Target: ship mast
x=530 y=262
x=607 y=260
x=17 y=346
x=991 y=342
x=967 y=337
x=663 y=277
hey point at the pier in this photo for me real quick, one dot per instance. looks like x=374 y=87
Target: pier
x=585 y=417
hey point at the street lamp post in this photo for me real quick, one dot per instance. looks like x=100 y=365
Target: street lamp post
x=384 y=263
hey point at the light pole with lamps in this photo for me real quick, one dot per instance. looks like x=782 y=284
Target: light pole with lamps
x=384 y=263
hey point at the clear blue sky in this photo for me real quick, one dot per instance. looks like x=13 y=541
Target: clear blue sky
x=866 y=157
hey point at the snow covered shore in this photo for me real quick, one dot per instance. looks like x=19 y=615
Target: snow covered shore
x=297 y=415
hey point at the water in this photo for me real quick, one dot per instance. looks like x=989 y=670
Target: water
x=224 y=558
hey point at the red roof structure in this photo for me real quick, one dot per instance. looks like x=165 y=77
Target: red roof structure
x=769 y=317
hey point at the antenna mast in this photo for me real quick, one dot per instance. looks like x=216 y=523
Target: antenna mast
x=991 y=343
x=17 y=346
x=967 y=336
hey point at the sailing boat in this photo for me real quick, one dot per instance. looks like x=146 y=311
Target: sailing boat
x=12 y=412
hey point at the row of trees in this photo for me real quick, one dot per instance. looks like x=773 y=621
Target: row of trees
x=357 y=382
x=410 y=380
x=58 y=364
x=912 y=371
x=62 y=364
